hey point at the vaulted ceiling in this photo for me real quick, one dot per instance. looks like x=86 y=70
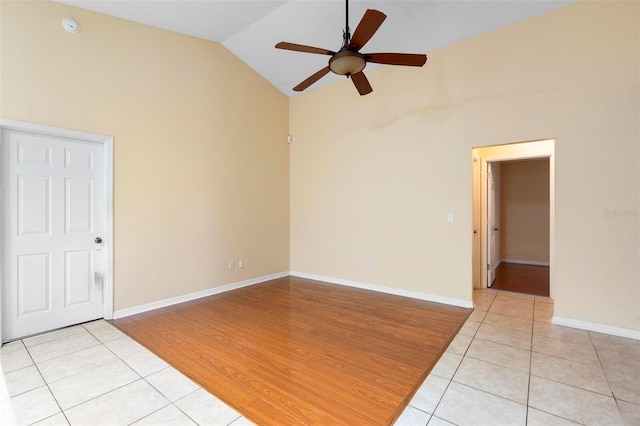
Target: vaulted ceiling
x=250 y=29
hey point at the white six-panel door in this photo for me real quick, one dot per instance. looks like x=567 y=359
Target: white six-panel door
x=55 y=264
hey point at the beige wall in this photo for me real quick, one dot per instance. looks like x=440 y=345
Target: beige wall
x=201 y=160
x=374 y=177
x=201 y=171
x=524 y=211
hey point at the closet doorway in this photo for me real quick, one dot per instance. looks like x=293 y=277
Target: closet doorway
x=513 y=217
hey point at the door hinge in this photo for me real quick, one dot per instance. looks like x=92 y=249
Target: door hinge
x=488 y=266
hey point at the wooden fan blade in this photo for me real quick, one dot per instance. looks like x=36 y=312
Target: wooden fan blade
x=408 y=59
x=302 y=48
x=362 y=83
x=367 y=27
x=309 y=81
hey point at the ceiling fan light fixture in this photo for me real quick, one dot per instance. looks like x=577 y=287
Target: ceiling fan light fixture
x=347 y=62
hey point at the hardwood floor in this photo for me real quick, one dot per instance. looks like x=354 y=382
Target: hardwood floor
x=298 y=352
x=522 y=279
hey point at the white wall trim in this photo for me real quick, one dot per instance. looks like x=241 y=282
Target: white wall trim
x=121 y=313
x=600 y=328
x=108 y=287
x=382 y=289
x=24 y=126
x=525 y=262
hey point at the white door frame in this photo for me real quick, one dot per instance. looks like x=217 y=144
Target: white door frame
x=517 y=151
x=476 y=220
x=107 y=143
x=490 y=198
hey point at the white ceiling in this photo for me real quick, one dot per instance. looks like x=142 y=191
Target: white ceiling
x=250 y=29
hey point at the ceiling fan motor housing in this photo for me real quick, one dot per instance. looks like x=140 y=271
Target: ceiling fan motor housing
x=347 y=62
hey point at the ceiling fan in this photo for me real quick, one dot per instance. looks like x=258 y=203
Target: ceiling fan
x=348 y=60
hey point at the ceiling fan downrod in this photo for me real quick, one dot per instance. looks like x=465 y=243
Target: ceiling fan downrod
x=346 y=34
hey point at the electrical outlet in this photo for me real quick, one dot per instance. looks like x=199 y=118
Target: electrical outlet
x=369 y=264
x=240 y=264
x=231 y=264
x=450 y=218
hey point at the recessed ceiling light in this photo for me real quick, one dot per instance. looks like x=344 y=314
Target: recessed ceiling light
x=70 y=25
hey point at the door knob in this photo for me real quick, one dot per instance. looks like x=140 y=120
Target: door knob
x=98 y=240
x=496 y=229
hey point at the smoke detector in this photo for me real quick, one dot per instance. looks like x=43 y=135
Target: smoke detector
x=70 y=25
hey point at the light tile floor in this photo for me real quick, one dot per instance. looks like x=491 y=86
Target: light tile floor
x=92 y=374
x=508 y=365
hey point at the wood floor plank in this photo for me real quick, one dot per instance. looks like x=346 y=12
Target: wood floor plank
x=294 y=351
x=529 y=279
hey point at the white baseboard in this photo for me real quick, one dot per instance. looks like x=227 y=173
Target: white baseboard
x=600 y=328
x=382 y=289
x=525 y=262
x=121 y=313
x=567 y=322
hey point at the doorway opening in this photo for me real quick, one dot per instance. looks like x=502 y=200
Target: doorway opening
x=513 y=221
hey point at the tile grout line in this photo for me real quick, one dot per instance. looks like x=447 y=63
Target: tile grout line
x=163 y=395
x=483 y=390
x=171 y=403
x=158 y=390
x=118 y=358
x=526 y=405
x=48 y=388
x=162 y=408
x=97 y=396
x=446 y=387
x=526 y=418
x=561 y=383
x=576 y=361
x=606 y=376
x=106 y=393
x=50 y=341
x=234 y=420
x=57 y=330
x=560 y=339
x=530 y=375
x=458 y=367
